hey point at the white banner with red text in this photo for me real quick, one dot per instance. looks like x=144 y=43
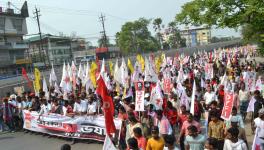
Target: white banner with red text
x=80 y=127
x=228 y=105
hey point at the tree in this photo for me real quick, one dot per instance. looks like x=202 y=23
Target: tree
x=157 y=28
x=135 y=37
x=175 y=40
x=247 y=14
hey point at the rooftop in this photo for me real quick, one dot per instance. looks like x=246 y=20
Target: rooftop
x=37 y=38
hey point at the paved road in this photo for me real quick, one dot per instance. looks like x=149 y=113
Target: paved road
x=27 y=141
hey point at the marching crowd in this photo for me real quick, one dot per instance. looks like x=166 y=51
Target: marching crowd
x=178 y=119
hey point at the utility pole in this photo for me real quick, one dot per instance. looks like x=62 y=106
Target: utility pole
x=41 y=49
x=102 y=20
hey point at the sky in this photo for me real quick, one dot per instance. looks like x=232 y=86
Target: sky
x=81 y=17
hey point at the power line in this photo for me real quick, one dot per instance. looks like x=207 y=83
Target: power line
x=102 y=20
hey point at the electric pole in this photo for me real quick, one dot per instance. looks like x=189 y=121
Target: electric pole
x=102 y=20
x=41 y=49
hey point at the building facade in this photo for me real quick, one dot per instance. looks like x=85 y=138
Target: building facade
x=13 y=27
x=53 y=49
x=196 y=36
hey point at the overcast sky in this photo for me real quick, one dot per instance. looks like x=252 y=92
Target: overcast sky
x=82 y=16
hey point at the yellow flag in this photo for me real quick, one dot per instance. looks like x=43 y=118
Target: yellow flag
x=111 y=67
x=140 y=59
x=158 y=62
x=130 y=66
x=37 y=79
x=93 y=73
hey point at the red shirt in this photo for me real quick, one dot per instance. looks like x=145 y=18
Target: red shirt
x=171 y=114
x=142 y=143
x=182 y=118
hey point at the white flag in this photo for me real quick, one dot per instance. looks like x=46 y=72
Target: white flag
x=156 y=97
x=124 y=74
x=45 y=88
x=53 y=77
x=80 y=74
x=193 y=98
x=108 y=144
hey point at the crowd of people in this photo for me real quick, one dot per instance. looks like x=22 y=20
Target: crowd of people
x=172 y=125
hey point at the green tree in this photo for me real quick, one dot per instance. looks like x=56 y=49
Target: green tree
x=135 y=37
x=247 y=14
x=157 y=24
x=175 y=40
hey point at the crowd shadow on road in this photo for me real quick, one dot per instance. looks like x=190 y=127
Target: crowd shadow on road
x=6 y=138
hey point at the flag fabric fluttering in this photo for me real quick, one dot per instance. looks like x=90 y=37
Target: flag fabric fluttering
x=193 y=98
x=73 y=75
x=25 y=76
x=108 y=105
x=141 y=61
x=156 y=97
x=108 y=144
x=93 y=73
x=45 y=88
x=65 y=80
x=130 y=66
x=111 y=68
x=37 y=80
x=124 y=74
x=53 y=77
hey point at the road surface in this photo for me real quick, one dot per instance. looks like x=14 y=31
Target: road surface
x=27 y=141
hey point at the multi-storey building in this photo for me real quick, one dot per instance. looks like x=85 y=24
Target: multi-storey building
x=13 y=27
x=53 y=49
x=196 y=36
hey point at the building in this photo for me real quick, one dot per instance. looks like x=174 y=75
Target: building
x=107 y=53
x=59 y=48
x=13 y=27
x=84 y=56
x=196 y=36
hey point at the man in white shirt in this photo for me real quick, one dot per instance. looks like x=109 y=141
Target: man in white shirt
x=209 y=96
x=91 y=108
x=80 y=106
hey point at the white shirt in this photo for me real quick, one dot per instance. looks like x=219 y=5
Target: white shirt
x=64 y=110
x=91 y=108
x=239 y=145
x=43 y=109
x=84 y=104
x=209 y=97
x=260 y=128
x=82 y=107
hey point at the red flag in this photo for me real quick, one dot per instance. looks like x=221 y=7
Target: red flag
x=107 y=105
x=24 y=75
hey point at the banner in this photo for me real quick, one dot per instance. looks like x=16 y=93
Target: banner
x=167 y=85
x=228 y=105
x=140 y=92
x=80 y=127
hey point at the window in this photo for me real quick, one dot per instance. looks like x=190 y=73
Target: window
x=17 y=23
x=2 y=23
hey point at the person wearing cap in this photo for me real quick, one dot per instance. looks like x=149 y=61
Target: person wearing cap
x=155 y=142
x=237 y=116
x=259 y=125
